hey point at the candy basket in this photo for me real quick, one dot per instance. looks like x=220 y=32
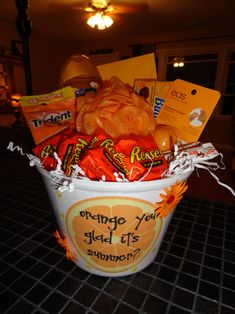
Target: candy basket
x=114 y=228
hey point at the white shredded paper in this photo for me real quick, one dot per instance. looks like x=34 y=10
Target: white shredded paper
x=197 y=157
x=190 y=157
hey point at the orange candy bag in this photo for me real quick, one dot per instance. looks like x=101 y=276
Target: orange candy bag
x=136 y=158
x=96 y=166
x=49 y=114
x=46 y=149
x=71 y=151
x=143 y=158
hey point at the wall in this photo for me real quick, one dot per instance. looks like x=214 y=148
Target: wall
x=8 y=32
x=188 y=35
x=46 y=56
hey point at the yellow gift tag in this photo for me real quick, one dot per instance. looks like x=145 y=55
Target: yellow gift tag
x=187 y=108
x=129 y=69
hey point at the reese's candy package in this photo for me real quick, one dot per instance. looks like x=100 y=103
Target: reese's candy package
x=50 y=113
x=142 y=158
x=96 y=166
x=46 y=149
x=136 y=158
x=71 y=151
x=98 y=138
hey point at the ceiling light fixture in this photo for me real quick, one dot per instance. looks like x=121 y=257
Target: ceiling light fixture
x=101 y=20
x=178 y=62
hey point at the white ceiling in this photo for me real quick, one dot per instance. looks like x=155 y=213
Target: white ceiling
x=62 y=18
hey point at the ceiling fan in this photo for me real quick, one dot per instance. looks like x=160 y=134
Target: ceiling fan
x=100 y=5
x=108 y=6
x=100 y=12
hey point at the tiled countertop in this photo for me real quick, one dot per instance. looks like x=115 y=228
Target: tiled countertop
x=194 y=271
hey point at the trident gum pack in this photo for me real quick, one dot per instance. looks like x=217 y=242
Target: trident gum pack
x=49 y=114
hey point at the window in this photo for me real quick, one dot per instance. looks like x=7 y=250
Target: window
x=228 y=99
x=198 y=69
x=212 y=67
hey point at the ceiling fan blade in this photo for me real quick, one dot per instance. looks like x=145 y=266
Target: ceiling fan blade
x=130 y=7
x=89 y=9
x=109 y=9
x=68 y=4
x=100 y=4
x=126 y=9
x=114 y=6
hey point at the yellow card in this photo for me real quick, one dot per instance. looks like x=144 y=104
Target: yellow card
x=128 y=70
x=187 y=108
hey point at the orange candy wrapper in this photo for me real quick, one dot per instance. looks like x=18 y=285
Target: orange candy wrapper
x=45 y=150
x=102 y=157
x=70 y=152
x=136 y=158
x=49 y=114
x=72 y=149
x=96 y=166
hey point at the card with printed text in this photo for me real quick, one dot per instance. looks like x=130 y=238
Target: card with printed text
x=187 y=108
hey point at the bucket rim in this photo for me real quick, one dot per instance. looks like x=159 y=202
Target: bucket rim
x=122 y=186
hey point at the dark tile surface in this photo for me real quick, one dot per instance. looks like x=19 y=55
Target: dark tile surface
x=194 y=271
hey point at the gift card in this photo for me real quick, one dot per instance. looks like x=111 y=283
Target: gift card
x=187 y=108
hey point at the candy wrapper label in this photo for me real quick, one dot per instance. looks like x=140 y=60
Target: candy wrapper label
x=71 y=150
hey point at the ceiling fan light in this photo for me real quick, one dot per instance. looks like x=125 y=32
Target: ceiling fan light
x=101 y=26
x=101 y=20
x=107 y=20
x=178 y=62
x=91 y=21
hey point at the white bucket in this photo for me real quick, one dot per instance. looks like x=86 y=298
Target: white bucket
x=111 y=228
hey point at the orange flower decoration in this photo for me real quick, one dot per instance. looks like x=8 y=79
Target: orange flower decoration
x=64 y=243
x=172 y=197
